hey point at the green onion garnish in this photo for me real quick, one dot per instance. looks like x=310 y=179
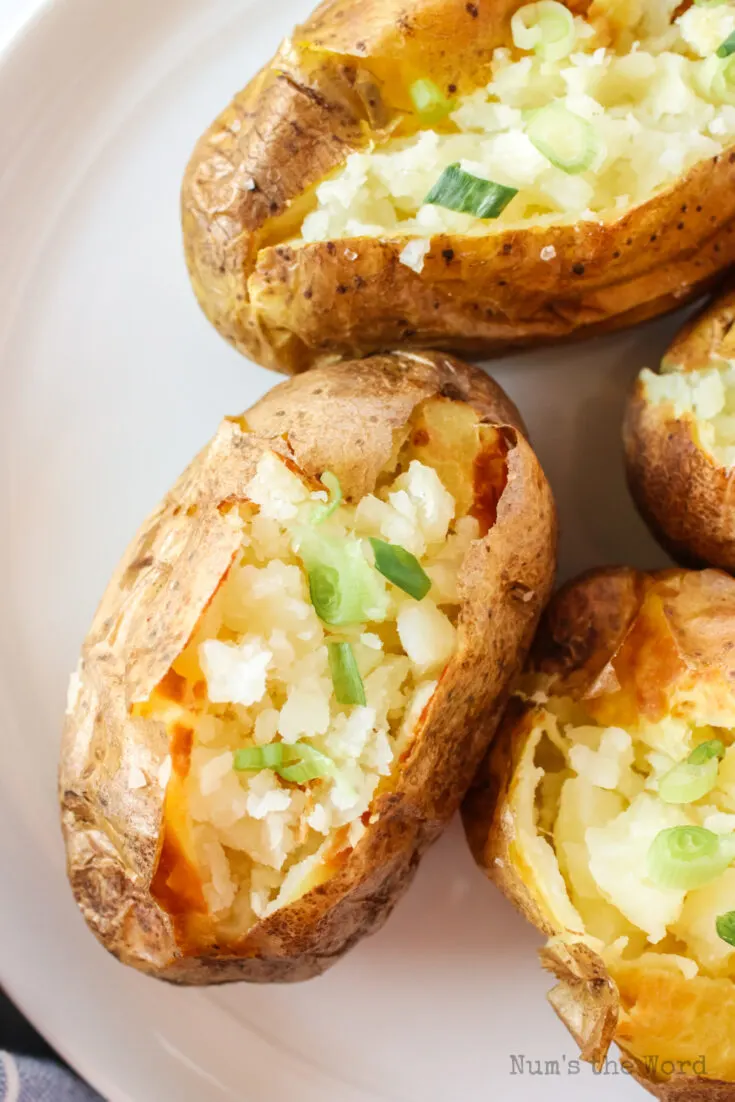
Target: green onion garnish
x=567 y=140
x=310 y=765
x=545 y=27
x=723 y=81
x=348 y=686
x=297 y=763
x=260 y=757
x=343 y=587
x=688 y=857
x=725 y=926
x=711 y=750
x=429 y=100
x=402 y=568
x=325 y=593
x=691 y=779
x=727 y=47
x=331 y=483
x=715 y=79
x=459 y=190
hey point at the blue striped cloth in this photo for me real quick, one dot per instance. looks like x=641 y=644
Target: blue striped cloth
x=29 y=1079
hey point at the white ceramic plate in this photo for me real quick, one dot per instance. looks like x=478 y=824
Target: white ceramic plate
x=111 y=380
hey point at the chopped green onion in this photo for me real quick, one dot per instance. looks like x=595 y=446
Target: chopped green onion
x=688 y=857
x=402 y=568
x=691 y=779
x=725 y=926
x=710 y=750
x=325 y=593
x=545 y=27
x=709 y=3
x=727 y=47
x=310 y=766
x=260 y=757
x=567 y=140
x=723 y=81
x=686 y=783
x=459 y=190
x=343 y=587
x=297 y=763
x=348 y=686
x=429 y=100
x=321 y=512
x=715 y=79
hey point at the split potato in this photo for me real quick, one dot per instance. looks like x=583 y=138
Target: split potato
x=466 y=176
x=297 y=667
x=679 y=436
x=605 y=811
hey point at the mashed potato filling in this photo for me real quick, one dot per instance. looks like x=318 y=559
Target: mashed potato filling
x=643 y=95
x=705 y=398
x=304 y=682
x=596 y=797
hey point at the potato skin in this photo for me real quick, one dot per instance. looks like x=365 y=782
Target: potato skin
x=346 y=421
x=339 y=83
x=685 y=497
x=580 y=633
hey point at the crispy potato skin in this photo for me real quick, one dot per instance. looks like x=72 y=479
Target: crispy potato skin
x=337 y=84
x=582 y=631
x=687 y=500
x=346 y=421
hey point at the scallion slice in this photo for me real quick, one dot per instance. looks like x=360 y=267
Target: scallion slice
x=691 y=779
x=567 y=140
x=342 y=585
x=687 y=857
x=429 y=100
x=348 y=686
x=727 y=47
x=334 y=489
x=686 y=783
x=310 y=765
x=715 y=79
x=260 y=757
x=546 y=27
x=723 y=82
x=326 y=593
x=402 y=568
x=459 y=190
x=725 y=926
x=298 y=762
x=711 y=750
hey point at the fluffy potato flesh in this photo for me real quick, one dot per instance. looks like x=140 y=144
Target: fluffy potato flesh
x=258 y=675
x=588 y=796
x=704 y=399
x=636 y=86
x=679 y=437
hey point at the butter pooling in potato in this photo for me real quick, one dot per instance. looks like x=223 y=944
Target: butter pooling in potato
x=607 y=813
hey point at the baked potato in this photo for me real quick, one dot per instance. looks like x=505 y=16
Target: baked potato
x=466 y=176
x=679 y=436
x=605 y=812
x=297 y=666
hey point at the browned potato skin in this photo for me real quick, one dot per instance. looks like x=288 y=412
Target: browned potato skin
x=683 y=495
x=340 y=82
x=580 y=632
x=346 y=421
